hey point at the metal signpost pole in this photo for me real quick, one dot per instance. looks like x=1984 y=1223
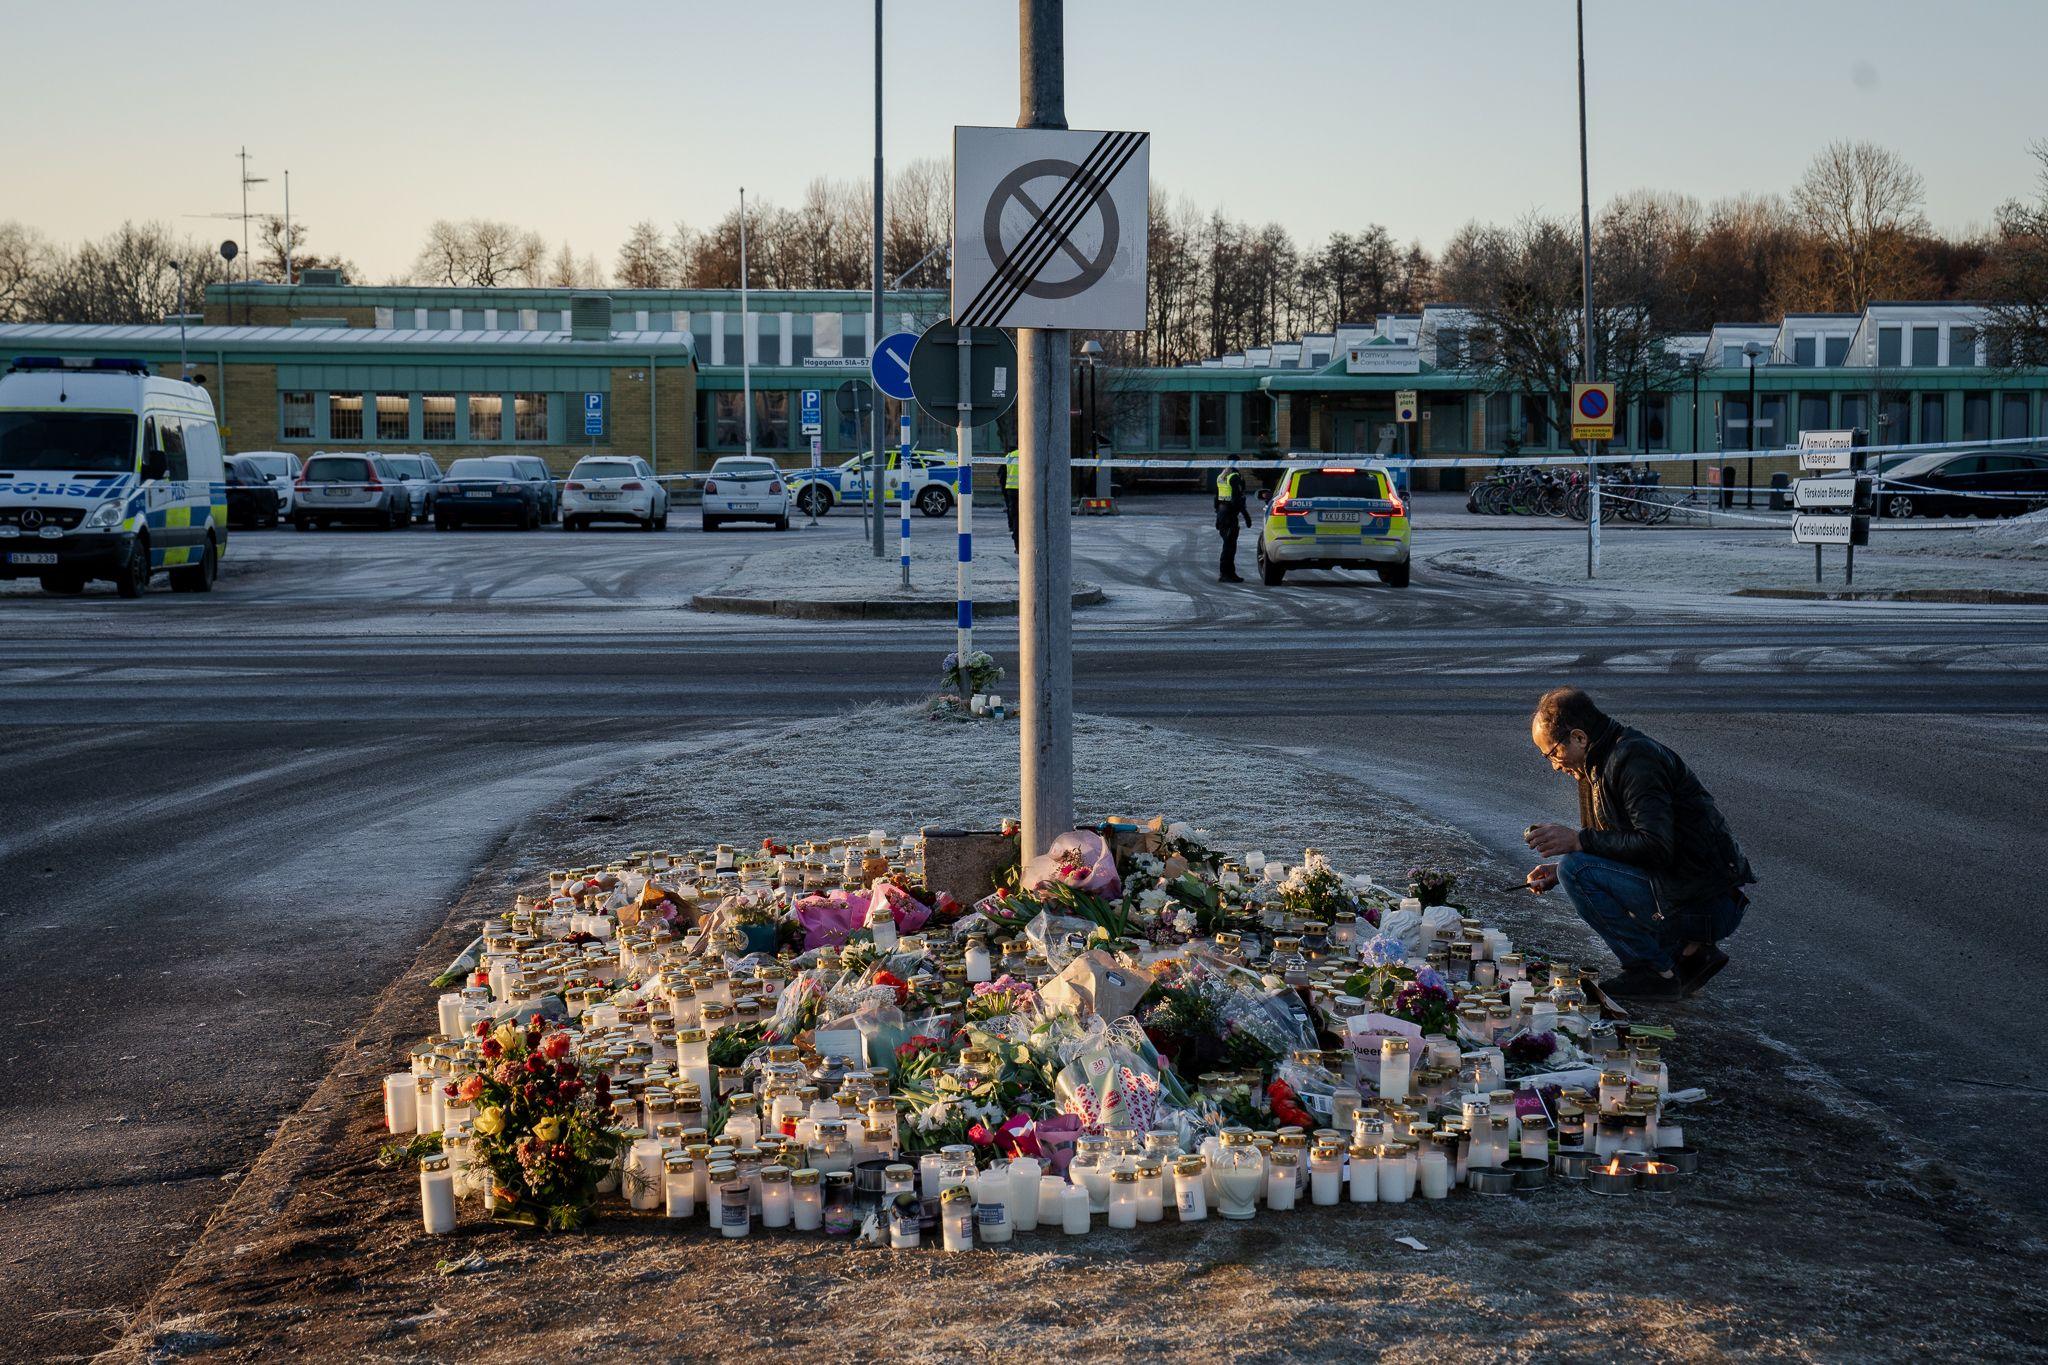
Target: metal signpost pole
x=875 y=332
x=746 y=371
x=963 y=625
x=1044 y=558
x=1586 y=286
x=903 y=493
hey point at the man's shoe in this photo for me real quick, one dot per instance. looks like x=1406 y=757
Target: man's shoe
x=1229 y=578
x=1639 y=981
x=1696 y=971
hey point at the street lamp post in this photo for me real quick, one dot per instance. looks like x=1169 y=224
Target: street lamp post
x=1750 y=351
x=1091 y=356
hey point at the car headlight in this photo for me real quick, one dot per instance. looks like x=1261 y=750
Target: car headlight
x=106 y=515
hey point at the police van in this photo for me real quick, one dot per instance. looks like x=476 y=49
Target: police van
x=108 y=472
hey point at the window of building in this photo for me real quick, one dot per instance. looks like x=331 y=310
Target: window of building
x=800 y=332
x=529 y=417
x=1962 y=347
x=1656 y=422
x=767 y=339
x=437 y=319
x=2014 y=412
x=1926 y=346
x=1933 y=417
x=1855 y=411
x=700 y=337
x=735 y=338
x=344 y=416
x=1499 y=416
x=297 y=422
x=1450 y=348
x=1837 y=350
x=1771 y=431
x=853 y=334
x=1976 y=417
x=1536 y=422
x=394 y=417
x=1894 y=421
x=486 y=417
x=1802 y=350
x=1731 y=357
x=771 y=419
x=1258 y=417
x=1888 y=352
x=437 y=416
x=728 y=419
x=1173 y=421
x=1735 y=422
x=1813 y=412
x=1209 y=419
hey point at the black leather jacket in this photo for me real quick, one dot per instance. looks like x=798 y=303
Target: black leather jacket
x=1644 y=807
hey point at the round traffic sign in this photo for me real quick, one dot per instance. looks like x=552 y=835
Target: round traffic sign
x=855 y=398
x=1593 y=404
x=935 y=373
x=890 y=364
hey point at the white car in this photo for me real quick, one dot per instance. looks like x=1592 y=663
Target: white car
x=421 y=475
x=745 y=488
x=282 y=469
x=614 y=488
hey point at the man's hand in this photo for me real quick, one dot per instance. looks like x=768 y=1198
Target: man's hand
x=1552 y=840
x=1542 y=877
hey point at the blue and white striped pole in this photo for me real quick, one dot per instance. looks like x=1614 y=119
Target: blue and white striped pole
x=903 y=492
x=963 y=488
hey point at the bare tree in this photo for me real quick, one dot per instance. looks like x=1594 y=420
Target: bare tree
x=480 y=252
x=2013 y=281
x=1860 y=206
x=271 y=252
x=24 y=255
x=127 y=276
x=645 y=261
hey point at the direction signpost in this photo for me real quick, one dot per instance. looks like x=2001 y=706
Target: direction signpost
x=1049 y=233
x=1832 y=511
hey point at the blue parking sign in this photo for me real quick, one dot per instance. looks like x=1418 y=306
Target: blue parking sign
x=812 y=413
x=593 y=414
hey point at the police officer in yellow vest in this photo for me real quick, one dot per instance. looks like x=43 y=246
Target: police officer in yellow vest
x=1010 y=495
x=1230 y=511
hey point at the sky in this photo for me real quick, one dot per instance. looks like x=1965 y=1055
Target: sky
x=578 y=121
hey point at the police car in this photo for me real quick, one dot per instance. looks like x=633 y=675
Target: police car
x=107 y=471
x=1335 y=517
x=930 y=479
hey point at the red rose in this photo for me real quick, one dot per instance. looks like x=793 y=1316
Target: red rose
x=532 y=1039
x=555 y=1045
x=565 y=1070
x=534 y=1065
x=571 y=1089
x=483 y=1029
x=491 y=1049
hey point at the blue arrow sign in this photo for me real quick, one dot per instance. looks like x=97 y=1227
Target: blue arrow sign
x=891 y=365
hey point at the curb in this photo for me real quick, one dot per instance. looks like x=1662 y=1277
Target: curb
x=1970 y=596
x=868 y=608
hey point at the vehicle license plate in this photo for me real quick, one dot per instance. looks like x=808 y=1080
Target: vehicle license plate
x=741 y=506
x=26 y=558
x=1338 y=518
x=477 y=493
x=601 y=493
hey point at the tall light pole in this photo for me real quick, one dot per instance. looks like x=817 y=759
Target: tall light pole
x=877 y=491
x=1045 y=570
x=1750 y=351
x=746 y=350
x=1586 y=357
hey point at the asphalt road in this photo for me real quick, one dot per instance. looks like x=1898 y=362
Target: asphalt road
x=230 y=818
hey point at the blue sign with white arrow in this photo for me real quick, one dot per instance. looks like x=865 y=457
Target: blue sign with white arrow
x=890 y=365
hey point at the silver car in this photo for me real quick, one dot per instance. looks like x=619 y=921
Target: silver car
x=361 y=488
x=421 y=477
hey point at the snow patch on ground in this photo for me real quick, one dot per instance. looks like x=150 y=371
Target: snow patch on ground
x=842 y=568
x=2023 y=537
x=1702 y=562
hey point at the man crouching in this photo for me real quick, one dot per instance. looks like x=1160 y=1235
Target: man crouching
x=1653 y=867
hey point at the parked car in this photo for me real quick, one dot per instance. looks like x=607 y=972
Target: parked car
x=614 y=488
x=342 y=488
x=534 y=470
x=1957 y=484
x=282 y=468
x=422 y=478
x=252 y=500
x=491 y=488
x=745 y=488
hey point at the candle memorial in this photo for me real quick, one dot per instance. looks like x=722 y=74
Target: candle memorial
x=801 y=1039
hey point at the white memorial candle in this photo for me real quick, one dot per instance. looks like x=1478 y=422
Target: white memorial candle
x=1364 y=1176
x=437 y=1195
x=992 y=1206
x=451 y=1014
x=398 y=1102
x=1074 y=1210
x=1434 y=1173
x=1396 y=1066
x=1024 y=1177
x=1052 y=1200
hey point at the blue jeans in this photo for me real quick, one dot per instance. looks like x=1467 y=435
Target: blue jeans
x=1620 y=903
